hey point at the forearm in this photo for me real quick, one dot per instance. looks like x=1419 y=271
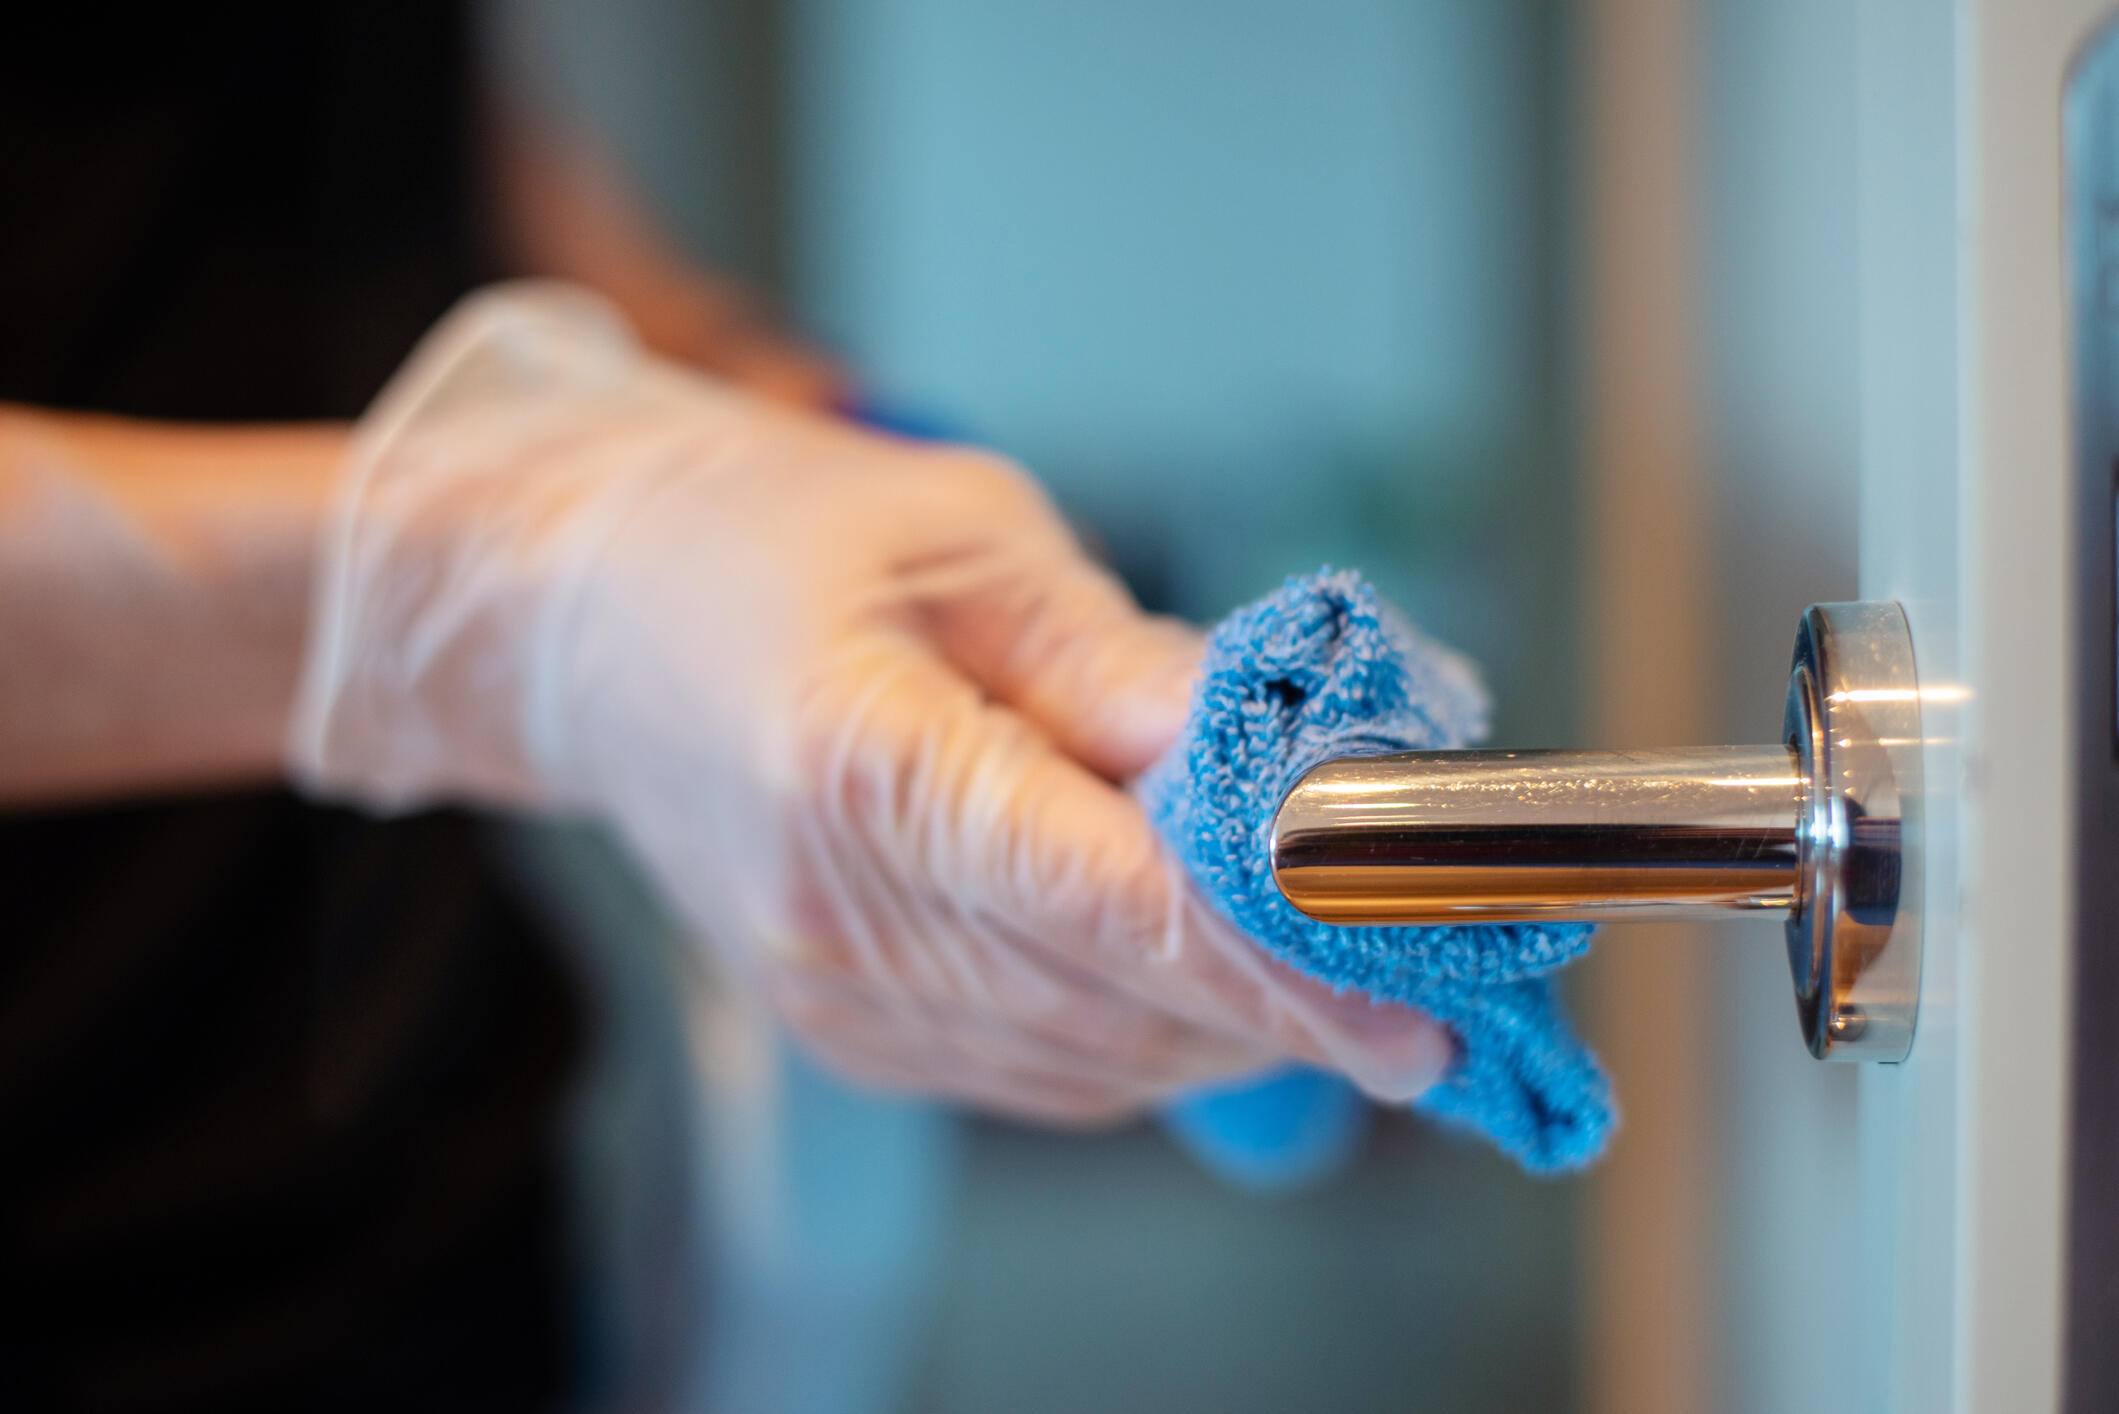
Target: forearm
x=154 y=595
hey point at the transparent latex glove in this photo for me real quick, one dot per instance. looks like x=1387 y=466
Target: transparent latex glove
x=858 y=704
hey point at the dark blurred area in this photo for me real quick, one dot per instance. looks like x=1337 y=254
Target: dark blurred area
x=304 y=1110
x=237 y=211
x=280 y=1085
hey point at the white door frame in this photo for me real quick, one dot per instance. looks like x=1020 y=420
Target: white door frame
x=1955 y=1288
x=2014 y=998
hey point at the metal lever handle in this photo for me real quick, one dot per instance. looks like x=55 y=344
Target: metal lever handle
x=1816 y=830
x=1514 y=836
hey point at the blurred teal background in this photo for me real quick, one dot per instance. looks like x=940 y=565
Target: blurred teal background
x=1253 y=285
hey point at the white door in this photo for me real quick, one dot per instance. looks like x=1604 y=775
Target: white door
x=1975 y=515
x=1940 y=1234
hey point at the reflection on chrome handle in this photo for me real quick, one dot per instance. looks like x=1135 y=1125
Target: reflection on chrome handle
x=1498 y=836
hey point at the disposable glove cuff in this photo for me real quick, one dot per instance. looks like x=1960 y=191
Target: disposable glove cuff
x=425 y=646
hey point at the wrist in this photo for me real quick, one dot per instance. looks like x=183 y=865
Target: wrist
x=468 y=522
x=157 y=582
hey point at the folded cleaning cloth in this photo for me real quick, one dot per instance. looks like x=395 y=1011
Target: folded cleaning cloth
x=1324 y=668
x=1274 y=1133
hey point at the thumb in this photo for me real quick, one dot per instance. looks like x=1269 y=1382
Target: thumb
x=1060 y=641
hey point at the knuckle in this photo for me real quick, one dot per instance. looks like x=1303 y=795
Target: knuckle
x=996 y=481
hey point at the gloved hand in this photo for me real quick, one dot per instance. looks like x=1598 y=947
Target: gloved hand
x=859 y=705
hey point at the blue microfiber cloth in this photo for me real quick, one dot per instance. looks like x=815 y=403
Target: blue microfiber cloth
x=1323 y=668
x=1273 y=1134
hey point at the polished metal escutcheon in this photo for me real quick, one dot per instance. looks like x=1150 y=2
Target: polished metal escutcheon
x=1821 y=830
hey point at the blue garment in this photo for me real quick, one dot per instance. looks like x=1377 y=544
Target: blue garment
x=902 y=420
x=1322 y=668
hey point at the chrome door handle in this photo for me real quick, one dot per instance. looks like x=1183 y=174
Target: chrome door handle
x=1821 y=829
